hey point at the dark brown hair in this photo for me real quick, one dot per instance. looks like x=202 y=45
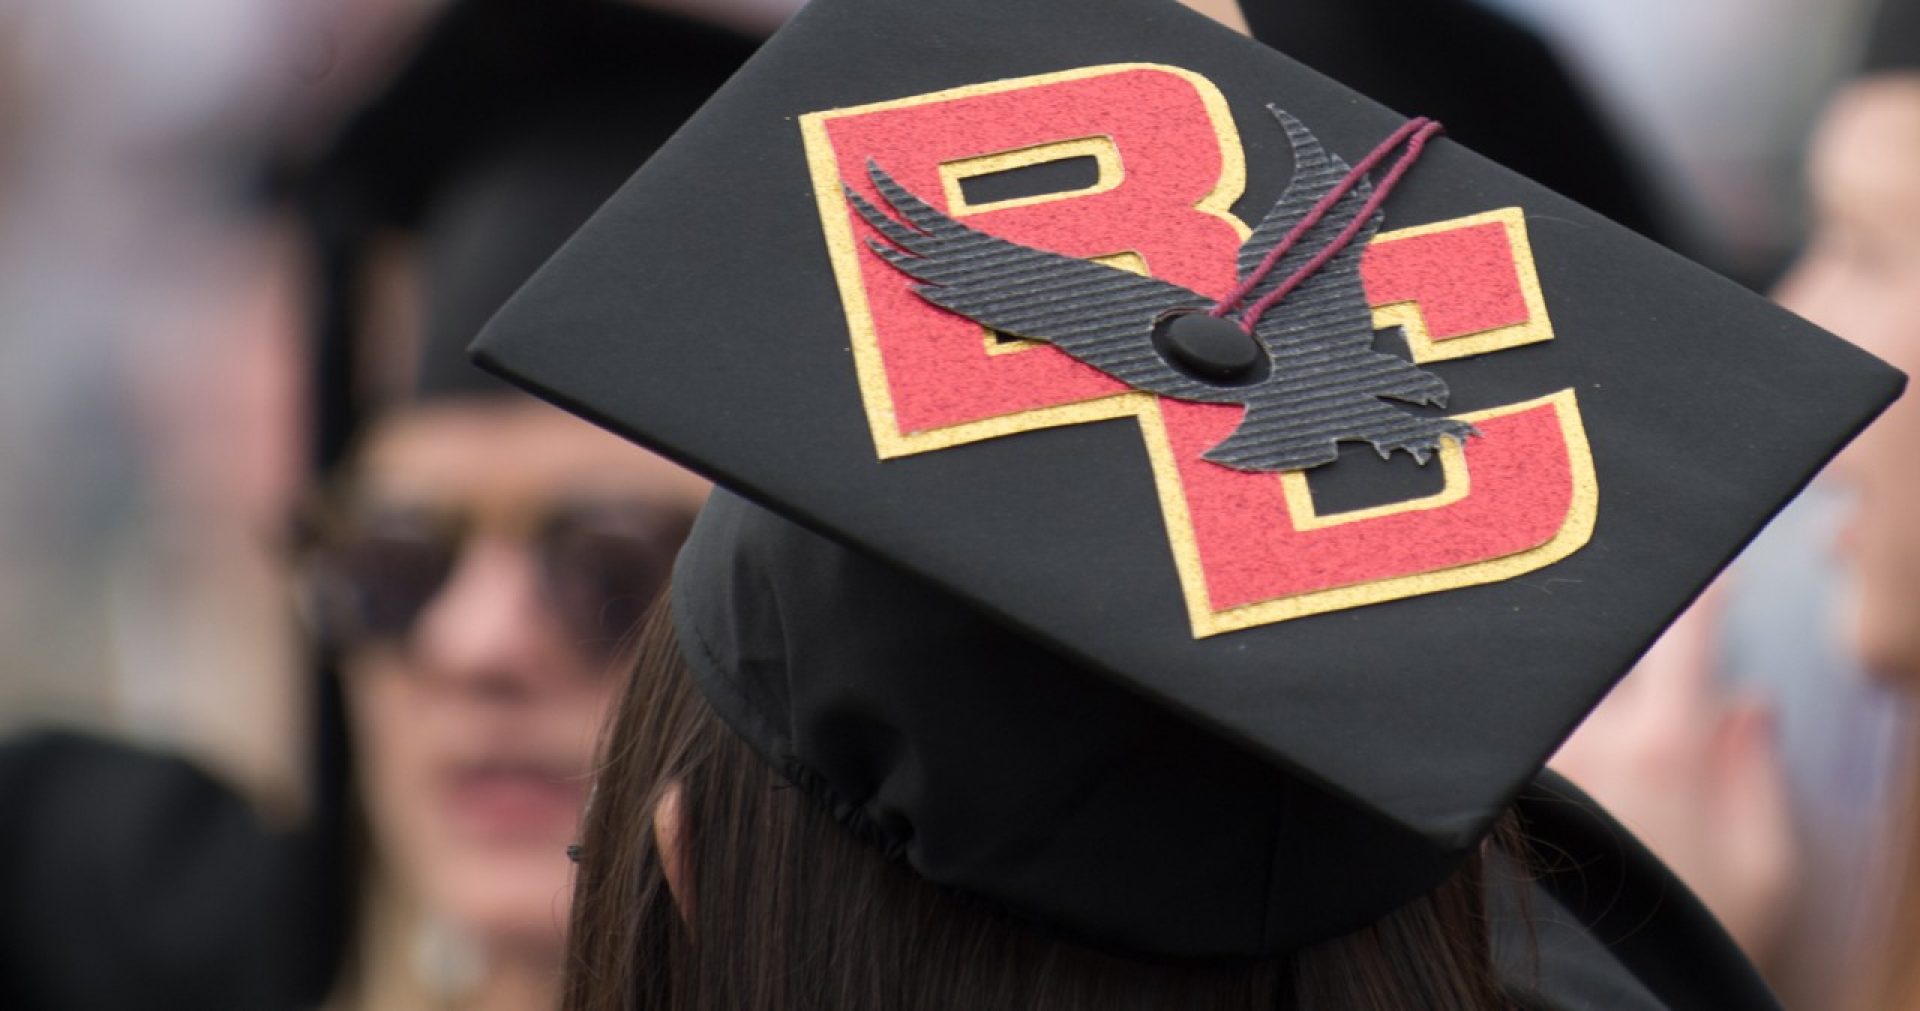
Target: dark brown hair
x=789 y=910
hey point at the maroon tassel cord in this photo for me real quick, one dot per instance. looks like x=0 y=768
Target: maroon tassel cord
x=1415 y=133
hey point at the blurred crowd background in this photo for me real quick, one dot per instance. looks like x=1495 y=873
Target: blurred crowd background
x=154 y=359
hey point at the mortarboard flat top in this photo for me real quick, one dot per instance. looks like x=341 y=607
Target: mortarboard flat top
x=1410 y=641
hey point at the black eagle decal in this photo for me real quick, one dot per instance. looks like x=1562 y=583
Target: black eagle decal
x=1305 y=368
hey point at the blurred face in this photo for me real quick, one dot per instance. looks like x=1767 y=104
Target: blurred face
x=1860 y=278
x=502 y=549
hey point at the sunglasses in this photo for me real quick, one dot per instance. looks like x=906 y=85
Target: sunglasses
x=371 y=569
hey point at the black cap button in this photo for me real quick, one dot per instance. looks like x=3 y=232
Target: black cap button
x=1209 y=348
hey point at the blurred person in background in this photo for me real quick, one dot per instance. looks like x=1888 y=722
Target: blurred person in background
x=150 y=389
x=471 y=560
x=1685 y=751
x=477 y=558
x=1860 y=277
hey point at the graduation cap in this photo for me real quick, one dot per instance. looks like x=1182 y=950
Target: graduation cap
x=1071 y=366
x=489 y=146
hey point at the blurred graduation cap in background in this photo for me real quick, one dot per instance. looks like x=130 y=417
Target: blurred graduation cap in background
x=491 y=144
x=487 y=148
x=1174 y=497
x=134 y=878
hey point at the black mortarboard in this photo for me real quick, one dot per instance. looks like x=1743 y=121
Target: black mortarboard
x=1094 y=630
x=1893 y=38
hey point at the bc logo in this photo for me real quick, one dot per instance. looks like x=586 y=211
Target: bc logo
x=1251 y=548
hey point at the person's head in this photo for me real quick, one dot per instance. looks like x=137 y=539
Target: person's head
x=482 y=557
x=1037 y=655
x=1860 y=278
x=492 y=553
x=830 y=784
x=709 y=882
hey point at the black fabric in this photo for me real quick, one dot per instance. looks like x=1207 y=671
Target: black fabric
x=997 y=766
x=496 y=225
x=1551 y=963
x=1029 y=684
x=503 y=132
x=130 y=880
x=1893 y=38
x=1499 y=88
x=1631 y=905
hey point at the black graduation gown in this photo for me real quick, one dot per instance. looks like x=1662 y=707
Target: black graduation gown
x=130 y=879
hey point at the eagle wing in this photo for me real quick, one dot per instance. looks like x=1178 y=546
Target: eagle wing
x=1100 y=315
x=1327 y=380
x=1316 y=171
